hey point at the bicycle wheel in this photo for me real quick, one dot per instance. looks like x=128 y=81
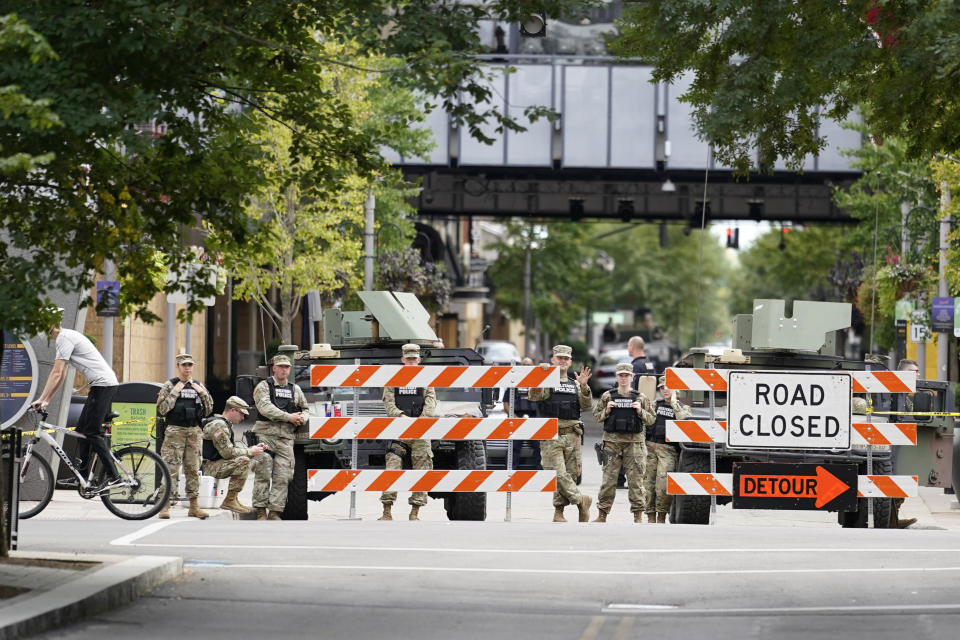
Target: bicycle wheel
x=36 y=485
x=149 y=486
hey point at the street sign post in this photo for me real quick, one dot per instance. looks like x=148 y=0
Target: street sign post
x=784 y=410
x=819 y=487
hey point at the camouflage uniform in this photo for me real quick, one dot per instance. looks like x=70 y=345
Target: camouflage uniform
x=563 y=453
x=234 y=462
x=421 y=453
x=625 y=449
x=273 y=473
x=182 y=443
x=661 y=457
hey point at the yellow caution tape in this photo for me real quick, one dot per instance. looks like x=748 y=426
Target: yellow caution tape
x=915 y=413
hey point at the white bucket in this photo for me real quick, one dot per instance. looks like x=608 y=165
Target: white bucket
x=207 y=493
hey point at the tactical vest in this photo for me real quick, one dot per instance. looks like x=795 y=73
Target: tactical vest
x=524 y=407
x=563 y=402
x=409 y=400
x=282 y=397
x=209 y=449
x=623 y=418
x=188 y=410
x=657 y=432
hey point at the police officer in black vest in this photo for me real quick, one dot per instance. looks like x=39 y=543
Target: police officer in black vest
x=661 y=455
x=624 y=414
x=410 y=402
x=183 y=402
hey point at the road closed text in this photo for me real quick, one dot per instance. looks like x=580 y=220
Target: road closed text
x=789 y=410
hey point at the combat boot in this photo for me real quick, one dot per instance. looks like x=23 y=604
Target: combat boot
x=638 y=517
x=558 y=515
x=196 y=511
x=602 y=516
x=584 y=508
x=651 y=516
x=386 y=511
x=230 y=503
x=165 y=512
x=414 y=512
x=261 y=513
x=274 y=515
x=662 y=517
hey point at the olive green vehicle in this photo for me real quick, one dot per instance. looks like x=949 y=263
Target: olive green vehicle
x=770 y=340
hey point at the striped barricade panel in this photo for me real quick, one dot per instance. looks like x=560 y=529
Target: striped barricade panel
x=373 y=428
x=878 y=433
x=887 y=486
x=720 y=484
x=437 y=376
x=433 y=480
x=700 y=484
x=685 y=379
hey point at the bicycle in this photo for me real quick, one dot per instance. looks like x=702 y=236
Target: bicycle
x=146 y=478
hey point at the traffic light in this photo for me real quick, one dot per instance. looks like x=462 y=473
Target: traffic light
x=783 y=239
x=576 y=209
x=733 y=238
x=534 y=25
x=625 y=210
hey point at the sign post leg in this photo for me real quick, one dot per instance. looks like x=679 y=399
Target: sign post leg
x=513 y=403
x=713 y=462
x=869 y=473
x=353 y=448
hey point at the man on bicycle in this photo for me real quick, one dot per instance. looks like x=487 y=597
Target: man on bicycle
x=75 y=349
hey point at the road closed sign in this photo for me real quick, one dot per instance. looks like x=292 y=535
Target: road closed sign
x=788 y=410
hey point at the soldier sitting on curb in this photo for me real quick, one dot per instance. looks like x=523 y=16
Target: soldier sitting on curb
x=223 y=458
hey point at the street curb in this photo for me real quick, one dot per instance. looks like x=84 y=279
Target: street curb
x=107 y=588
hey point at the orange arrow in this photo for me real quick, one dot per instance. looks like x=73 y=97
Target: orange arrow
x=824 y=488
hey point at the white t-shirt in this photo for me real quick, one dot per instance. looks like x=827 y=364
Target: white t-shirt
x=78 y=351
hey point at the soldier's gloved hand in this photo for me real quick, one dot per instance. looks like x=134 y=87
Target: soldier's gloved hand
x=196 y=386
x=637 y=407
x=610 y=405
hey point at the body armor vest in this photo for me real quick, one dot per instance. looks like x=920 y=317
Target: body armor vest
x=623 y=418
x=282 y=396
x=209 y=449
x=409 y=400
x=657 y=432
x=563 y=402
x=523 y=406
x=188 y=410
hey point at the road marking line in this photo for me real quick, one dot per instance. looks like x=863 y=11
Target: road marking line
x=622 y=631
x=715 y=572
x=900 y=550
x=128 y=540
x=593 y=628
x=895 y=609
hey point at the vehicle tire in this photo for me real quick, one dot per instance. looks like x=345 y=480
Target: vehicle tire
x=151 y=488
x=296 y=508
x=36 y=486
x=882 y=507
x=691 y=509
x=471 y=455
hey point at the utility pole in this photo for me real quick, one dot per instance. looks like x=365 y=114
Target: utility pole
x=943 y=339
x=527 y=311
x=368 y=236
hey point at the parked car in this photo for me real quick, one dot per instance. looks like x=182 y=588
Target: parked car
x=605 y=375
x=498 y=352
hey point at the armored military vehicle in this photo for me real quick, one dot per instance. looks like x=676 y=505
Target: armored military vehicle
x=769 y=340
x=370 y=338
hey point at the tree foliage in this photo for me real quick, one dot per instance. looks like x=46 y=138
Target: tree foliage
x=764 y=73
x=127 y=71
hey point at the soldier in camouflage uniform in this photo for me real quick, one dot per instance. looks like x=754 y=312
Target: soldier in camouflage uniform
x=624 y=414
x=183 y=402
x=283 y=411
x=412 y=402
x=223 y=458
x=661 y=455
x=564 y=403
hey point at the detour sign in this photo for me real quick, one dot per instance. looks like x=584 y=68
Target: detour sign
x=823 y=487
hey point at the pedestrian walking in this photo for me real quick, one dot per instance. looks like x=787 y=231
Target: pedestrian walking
x=183 y=403
x=283 y=410
x=565 y=403
x=223 y=457
x=624 y=414
x=408 y=402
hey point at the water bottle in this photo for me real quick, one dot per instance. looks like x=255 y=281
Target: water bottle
x=326 y=409
x=337 y=411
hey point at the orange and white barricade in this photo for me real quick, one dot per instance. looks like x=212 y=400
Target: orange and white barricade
x=442 y=480
x=689 y=379
x=428 y=428
x=721 y=484
x=862 y=433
